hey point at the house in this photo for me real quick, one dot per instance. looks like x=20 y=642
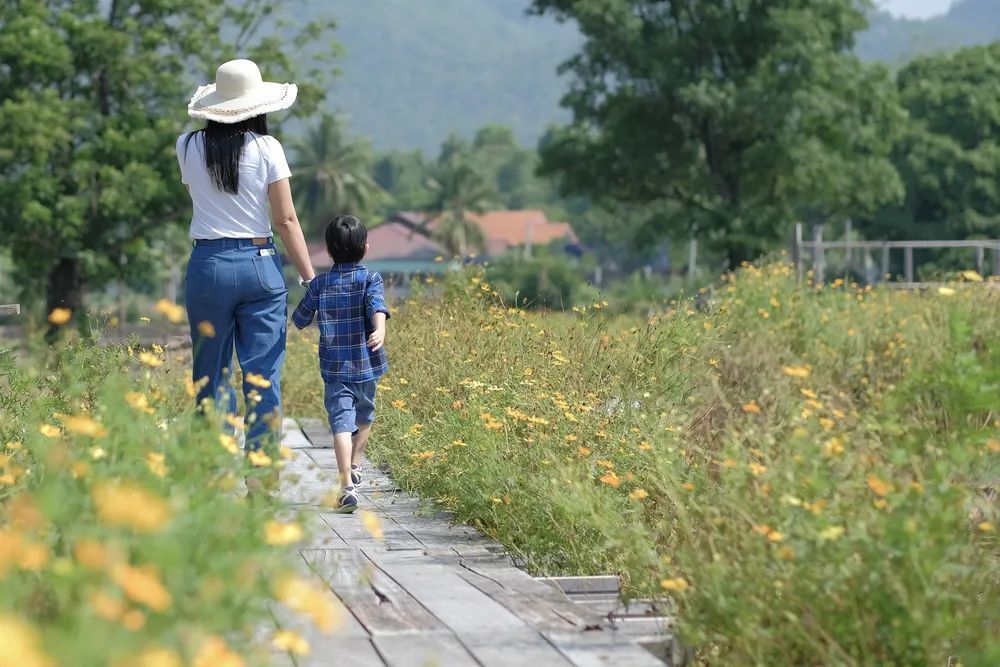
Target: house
x=401 y=246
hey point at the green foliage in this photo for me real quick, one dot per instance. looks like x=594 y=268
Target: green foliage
x=332 y=174
x=548 y=279
x=743 y=115
x=805 y=471
x=92 y=99
x=949 y=156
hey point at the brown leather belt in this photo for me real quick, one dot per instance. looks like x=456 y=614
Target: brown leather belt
x=261 y=241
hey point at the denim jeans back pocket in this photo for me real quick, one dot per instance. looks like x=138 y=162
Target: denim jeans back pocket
x=200 y=277
x=269 y=272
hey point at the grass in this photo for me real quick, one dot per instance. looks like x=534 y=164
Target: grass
x=809 y=473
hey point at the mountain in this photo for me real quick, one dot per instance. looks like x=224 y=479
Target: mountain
x=417 y=70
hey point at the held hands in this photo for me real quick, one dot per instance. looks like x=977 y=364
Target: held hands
x=377 y=339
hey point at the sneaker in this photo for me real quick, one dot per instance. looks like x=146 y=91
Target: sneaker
x=347 y=502
x=355 y=474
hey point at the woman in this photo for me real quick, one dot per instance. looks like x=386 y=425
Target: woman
x=235 y=292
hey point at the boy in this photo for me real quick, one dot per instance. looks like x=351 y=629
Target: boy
x=350 y=302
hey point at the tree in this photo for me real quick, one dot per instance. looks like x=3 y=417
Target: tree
x=333 y=174
x=404 y=176
x=459 y=189
x=91 y=101
x=949 y=157
x=744 y=114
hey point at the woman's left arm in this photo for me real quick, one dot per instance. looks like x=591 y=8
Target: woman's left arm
x=286 y=222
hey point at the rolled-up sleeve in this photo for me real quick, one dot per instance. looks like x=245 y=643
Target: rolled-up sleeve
x=375 y=298
x=306 y=310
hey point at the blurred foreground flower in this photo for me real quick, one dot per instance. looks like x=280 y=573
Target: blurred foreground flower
x=206 y=329
x=257 y=380
x=170 y=310
x=946 y=291
x=150 y=359
x=675 y=585
x=127 y=504
x=215 y=652
x=259 y=458
x=60 y=316
x=972 y=276
x=291 y=641
x=20 y=644
x=277 y=533
x=372 y=524
x=143 y=585
x=312 y=601
x=139 y=402
x=83 y=425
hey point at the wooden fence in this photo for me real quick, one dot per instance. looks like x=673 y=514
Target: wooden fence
x=818 y=247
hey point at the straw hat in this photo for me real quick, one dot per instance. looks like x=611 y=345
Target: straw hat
x=239 y=93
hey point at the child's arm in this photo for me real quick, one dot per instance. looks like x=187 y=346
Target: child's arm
x=378 y=312
x=306 y=310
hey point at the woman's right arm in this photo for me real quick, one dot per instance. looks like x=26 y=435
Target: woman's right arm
x=286 y=222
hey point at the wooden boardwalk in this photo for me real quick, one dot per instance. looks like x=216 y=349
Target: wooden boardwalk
x=429 y=592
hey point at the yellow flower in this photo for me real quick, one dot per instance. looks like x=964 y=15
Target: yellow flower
x=305 y=598
x=126 y=504
x=34 y=556
x=801 y=372
x=831 y=533
x=583 y=451
x=399 y=404
x=729 y=463
x=972 y=276
x=808 y=393
x=259 y=458
x=757 y=469
x=143 y=585
x=170 y=310
x=154 y=657
x=60 y=316
x=215 y=652
x=424 y=455
x=21 y=644
x=606 y=464
x=156 y=462
x=206 y=329
x=133 y=620
x=611 y=479
x=878 y=486
x=946 y=291
x=150 y=359
x=986 y=527
x=638 y=494
x=82 y=425
x=786 y=553
x=372 y=524
x=50 y=431
x=257 y=380
x=993 y=446
x=675 y=585
x=687 y=486
x=277 y=533
x=107 y=607
x=288 y=640
x=287 y=453
x=229 y=443
x=91 y=554
x=833 y=447
x=97 y=453
x=139 y=402
x=775 y=536
x=752 y=407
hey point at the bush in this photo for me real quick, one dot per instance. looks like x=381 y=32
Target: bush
x=547 y=280
x=805 y=471
x=122 y=541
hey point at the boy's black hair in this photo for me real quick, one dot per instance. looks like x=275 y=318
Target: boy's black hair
x=346 y=238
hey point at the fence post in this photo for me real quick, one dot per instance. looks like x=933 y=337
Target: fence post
x=848 y=252
x=797 y=251
x=908 y=263
x=980 y=258
x=819 y=256
x=692 y=259
x=885 y=261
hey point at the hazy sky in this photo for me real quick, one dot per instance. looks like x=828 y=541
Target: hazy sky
x=917 y=9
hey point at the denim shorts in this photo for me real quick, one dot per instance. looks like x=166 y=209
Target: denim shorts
x=349 y=404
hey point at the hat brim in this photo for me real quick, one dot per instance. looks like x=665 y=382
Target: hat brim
x=207 y=103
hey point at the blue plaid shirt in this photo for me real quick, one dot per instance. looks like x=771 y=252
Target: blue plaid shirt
x=346 y=299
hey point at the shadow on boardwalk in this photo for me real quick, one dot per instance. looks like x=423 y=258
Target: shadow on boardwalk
x=430 y=592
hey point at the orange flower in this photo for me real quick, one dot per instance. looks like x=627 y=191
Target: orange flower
x=206 y=329
x=143 y=585
x=215 y=652
x=878 y=486
x=126 y=504
x=277 y=533
x=638 y=494
x=752 y=407
x=675 y=585
x=60 y=316
x=610 y=479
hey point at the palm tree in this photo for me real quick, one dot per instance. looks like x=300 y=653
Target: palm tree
x=332 y=174
x=459 y=190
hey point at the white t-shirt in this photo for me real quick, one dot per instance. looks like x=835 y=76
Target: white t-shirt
x=218 y=214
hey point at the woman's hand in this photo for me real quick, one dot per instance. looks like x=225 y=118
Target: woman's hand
x=377 y=339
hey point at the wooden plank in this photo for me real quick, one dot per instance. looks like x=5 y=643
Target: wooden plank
x=534 y=611
x=459 y=605
x=324 y=458
x=375 y=600
x=601 y=648
x=9 y=310
x=595 y=584
x=515 y=649
x=409 y=650
x=350 y=529
x=353 y=651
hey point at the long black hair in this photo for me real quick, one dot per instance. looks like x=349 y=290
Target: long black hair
x=224 y=149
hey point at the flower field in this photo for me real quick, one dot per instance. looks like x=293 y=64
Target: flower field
x=122 y=541
x=809 y=473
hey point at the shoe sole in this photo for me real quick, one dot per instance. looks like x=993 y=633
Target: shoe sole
x=346 y=509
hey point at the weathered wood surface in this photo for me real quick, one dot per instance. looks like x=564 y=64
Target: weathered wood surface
x=430 y=592
x=10 y=309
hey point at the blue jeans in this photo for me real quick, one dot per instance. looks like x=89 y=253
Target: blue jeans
x=349 y=404
x=242 y=295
